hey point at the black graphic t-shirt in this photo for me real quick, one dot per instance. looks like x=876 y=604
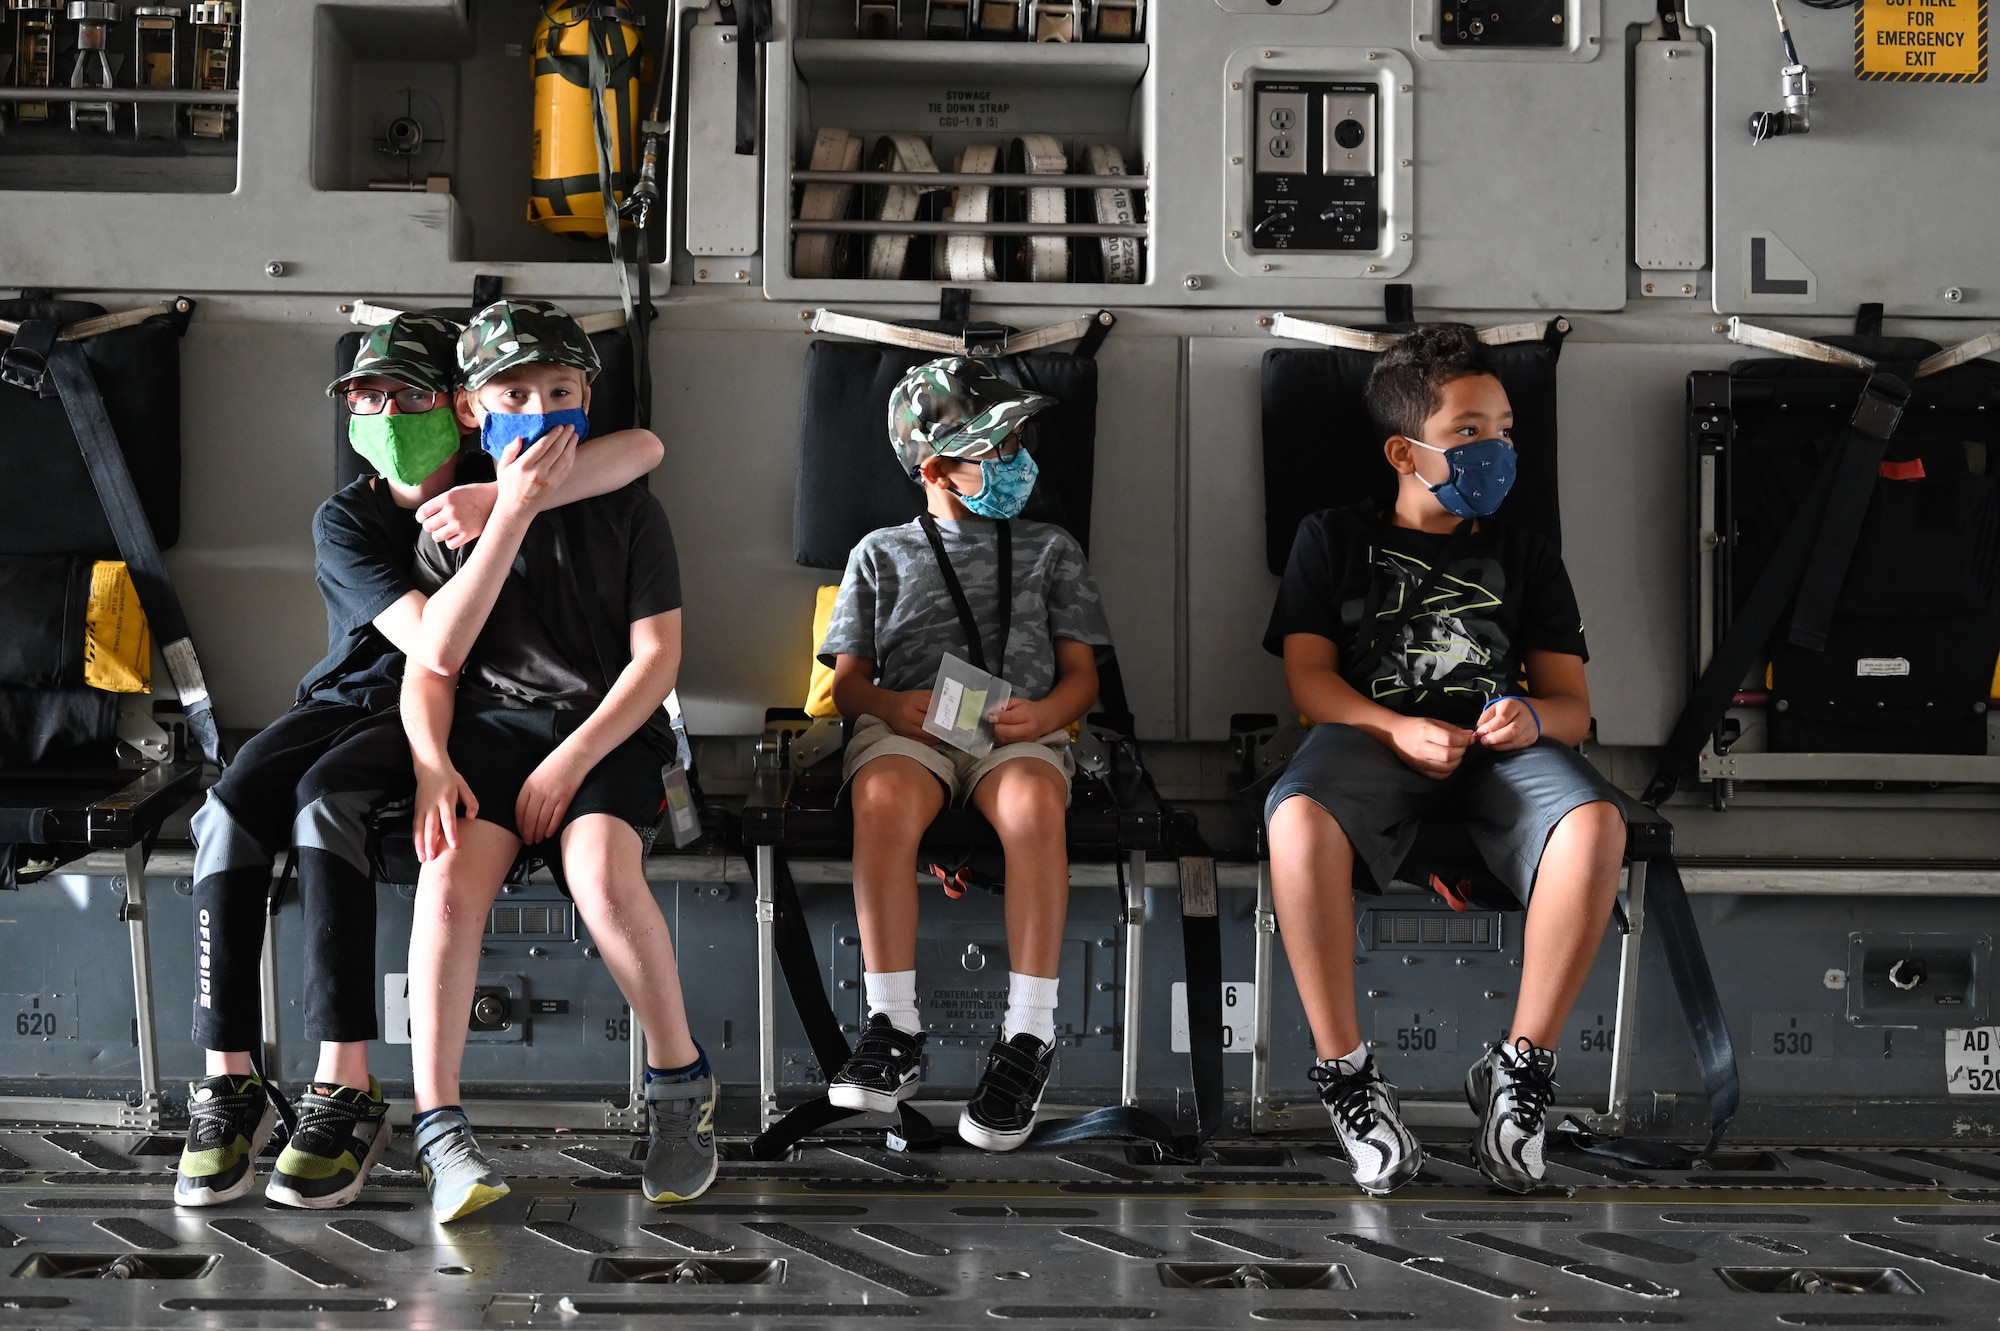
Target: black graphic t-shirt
x=1503 y=594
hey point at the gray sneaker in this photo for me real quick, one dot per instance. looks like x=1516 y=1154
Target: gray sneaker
x=680 y=1159
x=459 y=1175
x=1510 y=1088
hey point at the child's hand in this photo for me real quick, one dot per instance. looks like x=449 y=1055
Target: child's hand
x=1434 y=748
x=440 y=792
x=1507 y=724
x=906 y=718
x=545 y=797
x=1020 y=722
x=459 y=514
x=531 y=474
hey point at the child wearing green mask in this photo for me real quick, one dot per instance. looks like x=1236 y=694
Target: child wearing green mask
x=315 y=780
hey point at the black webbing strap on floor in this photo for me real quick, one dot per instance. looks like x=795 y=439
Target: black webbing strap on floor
x=1811 y=558
x=115 y=491
x=1668 y=915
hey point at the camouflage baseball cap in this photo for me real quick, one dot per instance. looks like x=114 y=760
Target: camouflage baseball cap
x=518 y=332
x=420 y=350
x=955 y=407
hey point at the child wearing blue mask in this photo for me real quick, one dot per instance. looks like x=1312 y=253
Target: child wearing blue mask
x=1439 y=654
x=533 y=706
x=318 y=778
x=1014 y=598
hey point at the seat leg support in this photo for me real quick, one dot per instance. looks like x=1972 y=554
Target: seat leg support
x=267 y=985
x=1135 y=975
x=1262 y=1117
x=635 y=1116
x=765 y=870
x=1625 y=1034
x=133 y=912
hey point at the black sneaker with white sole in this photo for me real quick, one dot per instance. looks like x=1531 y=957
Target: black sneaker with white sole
x=884 y=1070
x=1510 y=1089
x=1001 y=1112
x=1368 y=1119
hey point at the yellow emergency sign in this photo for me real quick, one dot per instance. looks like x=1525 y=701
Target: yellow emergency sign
x=1920 y=41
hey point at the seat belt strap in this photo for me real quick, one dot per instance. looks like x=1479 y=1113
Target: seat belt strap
x=1668 y=915
x=1360 y=339
x=1760 y=612
x=954 y=344
x=115 y=491
x=1201 y=953
x=1805 y=348
x=1949 y=359
x=1875 y=419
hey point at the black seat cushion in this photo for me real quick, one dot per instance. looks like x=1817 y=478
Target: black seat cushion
x=849 y=483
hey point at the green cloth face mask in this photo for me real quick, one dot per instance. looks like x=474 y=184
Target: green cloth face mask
x=406 y=449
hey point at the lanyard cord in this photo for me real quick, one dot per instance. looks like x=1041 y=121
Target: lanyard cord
x=964 y=607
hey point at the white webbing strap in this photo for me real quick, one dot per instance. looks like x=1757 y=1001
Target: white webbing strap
x=943 y=344
x=1804 y=348
x=102 y=323
x=898 y=152
x=370 y=315
x=1042 y=155
x=1358 y=339
x=1114 y=206
x=969 y=257
x=1953 y=357
x=821 y=254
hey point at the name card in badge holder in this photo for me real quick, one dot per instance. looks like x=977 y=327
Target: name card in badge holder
x=683 y=820
x=964 y=701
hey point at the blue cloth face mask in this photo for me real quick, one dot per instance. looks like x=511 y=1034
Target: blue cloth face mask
x=1004 y=486
x=501 y=428
x=1482 y=472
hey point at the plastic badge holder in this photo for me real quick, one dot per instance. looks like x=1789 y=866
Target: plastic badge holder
x=964 y=702
x=682 y=819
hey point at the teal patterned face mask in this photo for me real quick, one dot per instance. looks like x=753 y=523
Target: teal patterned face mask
x=1005 y=486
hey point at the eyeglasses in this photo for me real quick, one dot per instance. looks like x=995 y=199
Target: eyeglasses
x=409 y=401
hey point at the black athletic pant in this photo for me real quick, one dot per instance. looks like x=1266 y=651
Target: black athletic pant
x=316 y=778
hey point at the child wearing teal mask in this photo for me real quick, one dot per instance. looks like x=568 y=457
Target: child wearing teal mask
x=315 y=780
x=1028 y=611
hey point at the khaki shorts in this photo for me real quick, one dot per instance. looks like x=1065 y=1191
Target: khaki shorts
x=958 y=771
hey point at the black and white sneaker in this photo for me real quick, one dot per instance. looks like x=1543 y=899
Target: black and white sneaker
x=1369 y=1121
x=1510 y=1089
x=883 y=1071
x=1001 y=1112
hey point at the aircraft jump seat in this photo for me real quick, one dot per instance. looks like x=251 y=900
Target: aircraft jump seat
x=1322 y=450
x=849 y=485
x=89 y=471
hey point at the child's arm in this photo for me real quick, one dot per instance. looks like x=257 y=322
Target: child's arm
x=1022 y=721
x=855 y=694
x=427 y=708
x=637 y=692
x=457 y=611
x=1558 y=706
x=1312 y=673
x=608 y=463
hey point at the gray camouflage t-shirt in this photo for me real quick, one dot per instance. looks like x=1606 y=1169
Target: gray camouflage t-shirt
x=895 y=610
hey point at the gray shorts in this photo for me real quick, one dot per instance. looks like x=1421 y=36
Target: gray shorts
x=956 y=770
x=1509 y=802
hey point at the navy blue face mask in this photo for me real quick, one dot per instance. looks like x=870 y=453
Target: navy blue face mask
x=501 y=428
x=1482 y=472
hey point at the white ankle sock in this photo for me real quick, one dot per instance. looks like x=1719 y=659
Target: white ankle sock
x=894 y=995
x=1355 y=1061
x=1031 y=1007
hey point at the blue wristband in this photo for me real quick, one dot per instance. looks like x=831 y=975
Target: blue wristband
x=1522 y=699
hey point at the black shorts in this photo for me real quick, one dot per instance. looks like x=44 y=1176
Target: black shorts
x=1509 y=802
x=496 y=750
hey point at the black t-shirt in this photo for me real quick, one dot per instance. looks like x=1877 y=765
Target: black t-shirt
x=361 y=558
x=560 y=629
x=1504 y=594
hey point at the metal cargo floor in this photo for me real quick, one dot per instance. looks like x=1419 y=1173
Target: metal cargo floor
x=849 y=1235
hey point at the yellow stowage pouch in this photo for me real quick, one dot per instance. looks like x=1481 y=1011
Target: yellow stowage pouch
x=117 y=647
x=819 y=688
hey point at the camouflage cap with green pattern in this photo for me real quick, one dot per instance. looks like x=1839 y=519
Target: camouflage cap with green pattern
x=518 y=332
x=420 y=350
x=955 y=407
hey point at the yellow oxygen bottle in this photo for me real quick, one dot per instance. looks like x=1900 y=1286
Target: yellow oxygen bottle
x=566 y=194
